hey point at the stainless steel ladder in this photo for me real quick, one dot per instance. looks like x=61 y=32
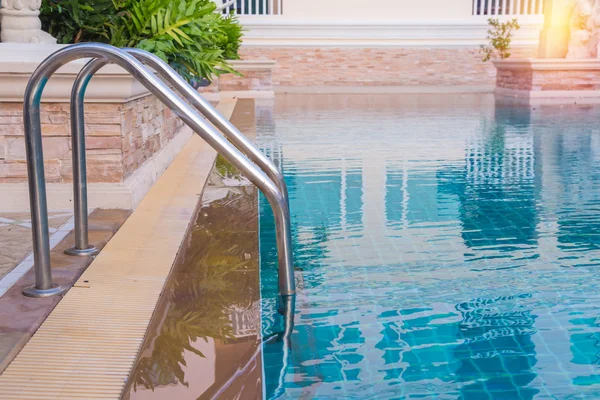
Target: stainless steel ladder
x=240 y=152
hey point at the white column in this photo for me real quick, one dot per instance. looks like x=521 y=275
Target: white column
x=21 y=22
x=554 y=38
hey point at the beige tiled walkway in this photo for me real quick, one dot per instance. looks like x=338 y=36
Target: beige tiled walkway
x=91 y=339
x=15 y=237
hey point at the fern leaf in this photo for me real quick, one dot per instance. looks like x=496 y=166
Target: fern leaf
x=182 y=34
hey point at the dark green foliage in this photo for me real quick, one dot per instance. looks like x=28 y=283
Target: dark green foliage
x=74 y=21
x=188 y=34
x=233 y=38
x=500 y=37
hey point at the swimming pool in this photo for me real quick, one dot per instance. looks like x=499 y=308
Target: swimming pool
x=447 y=247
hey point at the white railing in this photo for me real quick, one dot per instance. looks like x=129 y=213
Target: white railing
x=508 y=7
x=255 y=7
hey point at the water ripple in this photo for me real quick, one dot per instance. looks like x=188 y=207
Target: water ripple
x=448 y=248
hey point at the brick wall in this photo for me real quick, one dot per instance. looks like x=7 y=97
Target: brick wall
x=251 y=80
x=301 y=66
x=120 y=138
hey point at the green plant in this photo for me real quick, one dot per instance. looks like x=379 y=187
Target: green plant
x=74 y=21
x=184 y=33
x=500 y=37
x=233 y=38
x=188 y=34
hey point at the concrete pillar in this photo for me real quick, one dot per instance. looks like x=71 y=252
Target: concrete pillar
x=554 y=38
x=21 y=22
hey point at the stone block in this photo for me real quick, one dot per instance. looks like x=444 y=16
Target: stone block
x=59 y=118
x=54 y=148
x=102 y=118
x=7 y=109
x=11 y=130
x=128 y=120
x=105 y=168
x=56 y=130
x=103 y=130
x=11 y=171
x=103 y=142
x=11 y=119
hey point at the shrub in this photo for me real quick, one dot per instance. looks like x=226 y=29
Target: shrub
x=500 y=37
x=187 y=34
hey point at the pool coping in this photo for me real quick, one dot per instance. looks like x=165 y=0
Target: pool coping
x=86 y=348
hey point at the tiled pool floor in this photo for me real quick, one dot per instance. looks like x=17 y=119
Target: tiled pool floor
x=448 y=247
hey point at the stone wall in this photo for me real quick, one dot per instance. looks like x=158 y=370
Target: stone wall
x=120 y=137
x=385 y=66
x=514 y=80
x=527 y=79
x=549 y=81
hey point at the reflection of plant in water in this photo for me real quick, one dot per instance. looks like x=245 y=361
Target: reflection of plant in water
x=213 y=274
x=226 y=170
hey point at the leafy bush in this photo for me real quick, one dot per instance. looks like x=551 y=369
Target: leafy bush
x=500 y=37
x=187 y=34
x=74 y=21
x=233 y=38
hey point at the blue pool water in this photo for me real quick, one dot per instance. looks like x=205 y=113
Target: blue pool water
x=449 y=248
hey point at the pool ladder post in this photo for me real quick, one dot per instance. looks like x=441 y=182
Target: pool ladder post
x=267 y=178
x=287 y=309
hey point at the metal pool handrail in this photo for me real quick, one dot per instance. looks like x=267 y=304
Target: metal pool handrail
x=82 y=246
x=192 y=96
x=35 y=160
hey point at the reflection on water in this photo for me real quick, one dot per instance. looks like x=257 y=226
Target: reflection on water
x=447 y=247
x=204 y=336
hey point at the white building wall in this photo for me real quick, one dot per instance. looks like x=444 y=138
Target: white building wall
x=391 y=45
x=339 y=10
x=431 y=23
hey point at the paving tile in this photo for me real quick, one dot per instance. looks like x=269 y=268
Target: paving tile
x=9 y=342
x=7 y=264
x=15 y=238
x=21 y=316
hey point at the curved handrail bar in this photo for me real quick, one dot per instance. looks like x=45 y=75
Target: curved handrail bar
x=223 y=124
x=35 y=165
x=196 y=100
x=190 y=94
x=80 y=203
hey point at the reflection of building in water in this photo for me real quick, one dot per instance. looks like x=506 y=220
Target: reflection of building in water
x=580 y=182
x=501 y=159
x=392 y=209
x=273 y=150
x=498 y=197
x=244 y=320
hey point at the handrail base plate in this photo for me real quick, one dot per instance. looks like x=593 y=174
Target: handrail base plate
x=90 y=251
x=33 y=291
